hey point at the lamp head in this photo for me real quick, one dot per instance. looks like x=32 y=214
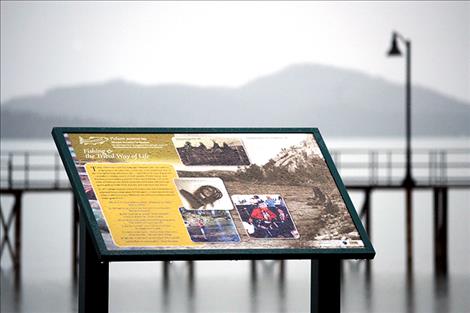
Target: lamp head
x=394 y=49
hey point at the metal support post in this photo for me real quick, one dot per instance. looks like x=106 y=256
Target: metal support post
x=325 y=289
x=93 y=290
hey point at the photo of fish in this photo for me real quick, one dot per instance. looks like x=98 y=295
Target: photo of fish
x=203 y=193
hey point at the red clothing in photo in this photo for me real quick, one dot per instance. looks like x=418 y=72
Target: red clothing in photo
x=263 y=214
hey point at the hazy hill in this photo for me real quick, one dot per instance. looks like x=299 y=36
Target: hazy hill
x=340 y=102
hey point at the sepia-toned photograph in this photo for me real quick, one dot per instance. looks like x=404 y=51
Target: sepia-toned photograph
x=296 y=171
x=265 y=216
x=211 y=151
x=210 y=225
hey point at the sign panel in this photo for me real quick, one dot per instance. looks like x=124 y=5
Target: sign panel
x=209 y=190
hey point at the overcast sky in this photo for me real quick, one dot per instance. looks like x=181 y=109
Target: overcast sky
x=45 y=45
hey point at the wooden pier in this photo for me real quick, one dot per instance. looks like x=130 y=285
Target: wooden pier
x=365 y=170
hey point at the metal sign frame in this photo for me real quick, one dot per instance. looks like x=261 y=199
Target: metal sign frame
x=367 y=252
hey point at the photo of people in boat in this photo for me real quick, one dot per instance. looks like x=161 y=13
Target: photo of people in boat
x=210 y=225
x=265 y=216
x=211 y=151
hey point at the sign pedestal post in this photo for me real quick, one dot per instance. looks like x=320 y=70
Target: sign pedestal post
x=93 y=275
x=325 y=292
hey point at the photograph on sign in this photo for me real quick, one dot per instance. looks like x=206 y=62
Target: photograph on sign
x=211 y=191
x=212 y=150
x=210 y=225
x=203 y=193
x=265 y=216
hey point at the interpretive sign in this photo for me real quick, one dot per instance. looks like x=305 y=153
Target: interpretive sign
x=213 y=192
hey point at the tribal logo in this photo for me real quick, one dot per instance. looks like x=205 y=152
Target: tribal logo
x=92 y=140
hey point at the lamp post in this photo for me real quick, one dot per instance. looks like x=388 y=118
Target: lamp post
x=395 y=51
x=408 y=182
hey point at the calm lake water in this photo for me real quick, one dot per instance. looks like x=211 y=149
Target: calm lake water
x=226 y=286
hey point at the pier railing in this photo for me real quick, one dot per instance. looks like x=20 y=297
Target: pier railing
x=20 y=169
x=358 y=167
x=386 y=167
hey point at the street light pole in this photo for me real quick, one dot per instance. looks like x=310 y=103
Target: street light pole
x=408 y=182
x=395 y=51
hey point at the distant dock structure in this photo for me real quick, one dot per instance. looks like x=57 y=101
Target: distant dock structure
x=365 y=170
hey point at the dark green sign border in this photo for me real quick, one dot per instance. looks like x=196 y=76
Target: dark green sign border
x=367 y=252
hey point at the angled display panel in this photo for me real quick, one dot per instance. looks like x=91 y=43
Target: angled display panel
x=210 y=193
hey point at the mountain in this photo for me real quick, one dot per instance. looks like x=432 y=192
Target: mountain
x=296 y=165
x=340 y=102
x=296 y=157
